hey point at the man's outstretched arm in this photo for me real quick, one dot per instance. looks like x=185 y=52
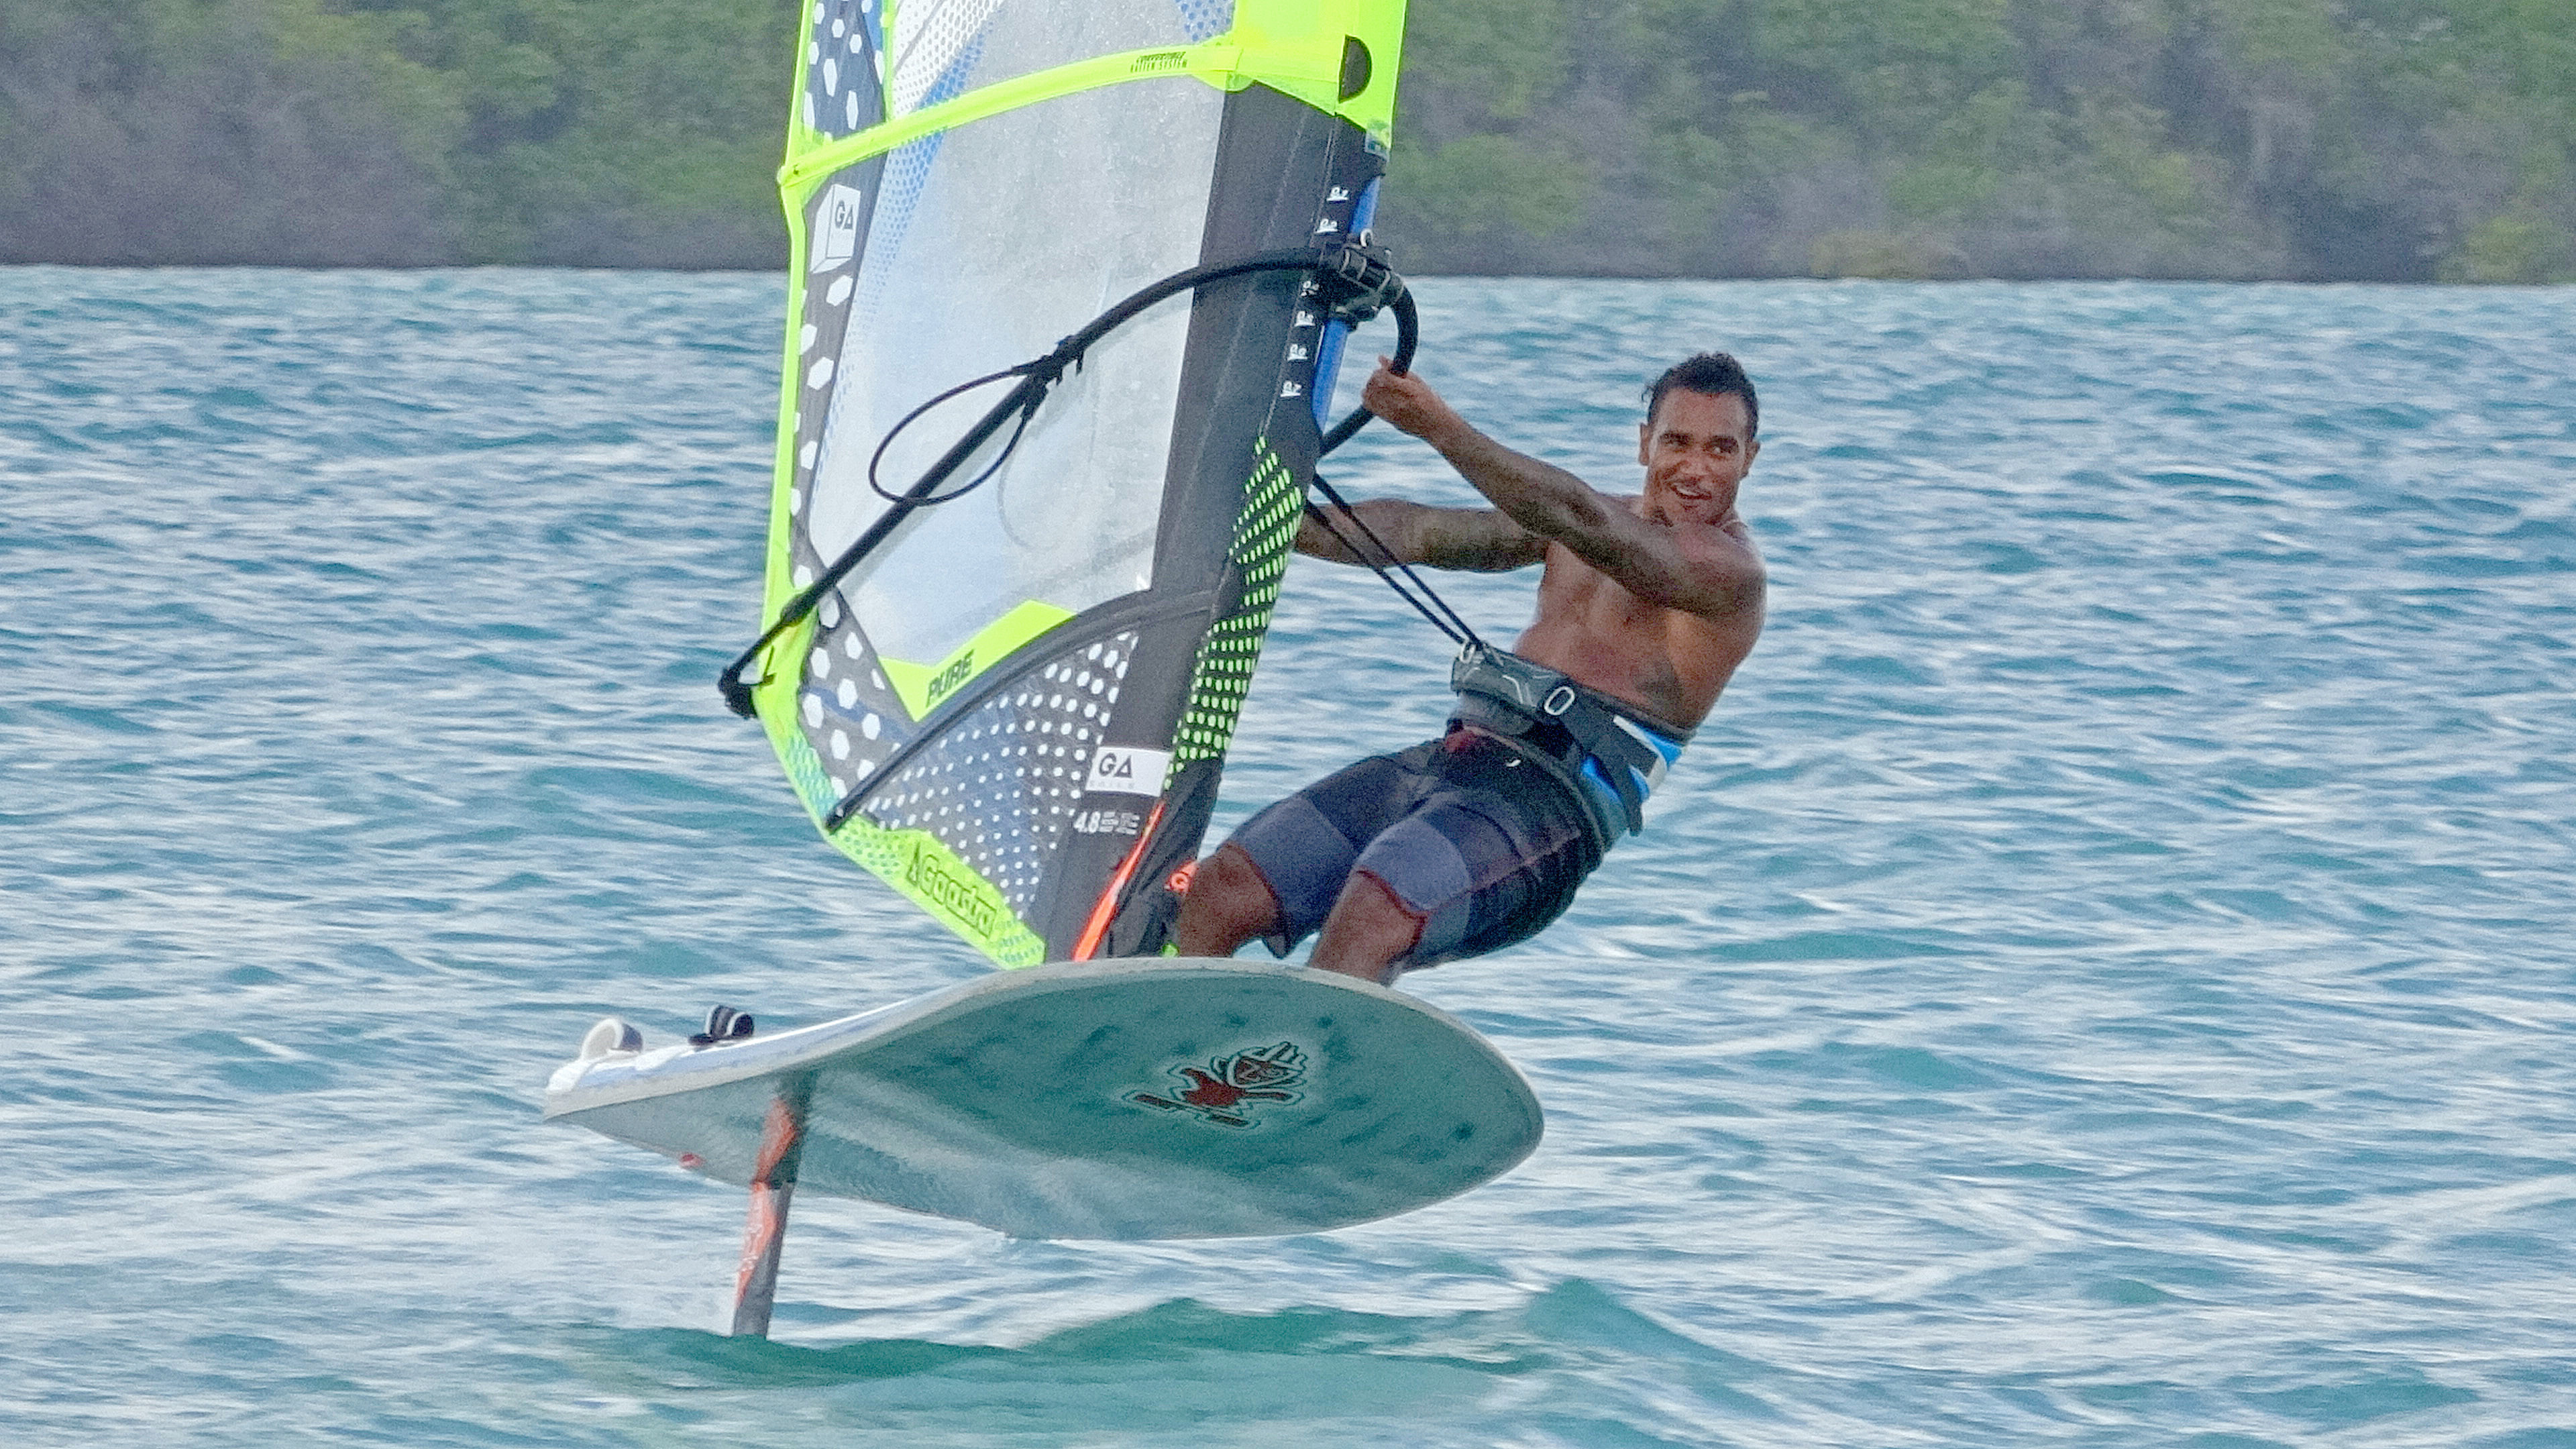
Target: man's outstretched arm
x=1715 y=578
x=1482 y=539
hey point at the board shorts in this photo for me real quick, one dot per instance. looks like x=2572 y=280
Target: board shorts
x=1479 y=842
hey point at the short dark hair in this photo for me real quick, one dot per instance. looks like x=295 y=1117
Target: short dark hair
x=1712 y=374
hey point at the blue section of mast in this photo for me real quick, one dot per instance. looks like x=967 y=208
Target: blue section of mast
x=1328 y=352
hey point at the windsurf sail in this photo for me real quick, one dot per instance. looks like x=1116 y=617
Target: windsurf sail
x=1015 y=703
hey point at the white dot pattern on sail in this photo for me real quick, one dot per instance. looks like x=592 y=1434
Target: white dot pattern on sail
x=1000 y=787
x=846 y=720
x=1205 y=19
x=933 y=44
x=899 y=186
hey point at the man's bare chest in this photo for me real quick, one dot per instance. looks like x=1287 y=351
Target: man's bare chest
x=1574 y=594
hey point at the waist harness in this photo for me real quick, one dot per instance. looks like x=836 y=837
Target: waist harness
x=1609 y=759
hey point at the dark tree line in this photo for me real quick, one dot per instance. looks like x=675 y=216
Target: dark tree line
x=2371 y=139
x=392 y=132
x=2378 y=139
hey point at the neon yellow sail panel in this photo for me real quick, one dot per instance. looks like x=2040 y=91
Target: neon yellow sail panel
x=1015 y=708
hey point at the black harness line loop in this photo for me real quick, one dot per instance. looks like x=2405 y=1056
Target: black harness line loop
x=1027 y=410
x=1455 y=625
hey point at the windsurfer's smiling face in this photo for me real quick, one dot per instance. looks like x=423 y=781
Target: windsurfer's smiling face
x=1696 y=450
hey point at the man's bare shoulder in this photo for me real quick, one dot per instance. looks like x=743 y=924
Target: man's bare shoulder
x=1713 y=570
x=1733 y=537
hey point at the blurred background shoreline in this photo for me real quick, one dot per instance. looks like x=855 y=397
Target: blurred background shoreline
x=2295 y=140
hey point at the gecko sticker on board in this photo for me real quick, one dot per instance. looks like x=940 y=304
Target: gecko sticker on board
x=1224 y=1092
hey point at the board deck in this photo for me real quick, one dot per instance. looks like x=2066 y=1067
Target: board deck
x=1127 y=1099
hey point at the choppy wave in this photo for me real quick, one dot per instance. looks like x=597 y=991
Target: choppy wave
x=2101 y=977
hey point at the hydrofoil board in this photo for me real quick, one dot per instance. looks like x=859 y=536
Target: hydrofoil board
x=1125 y=1099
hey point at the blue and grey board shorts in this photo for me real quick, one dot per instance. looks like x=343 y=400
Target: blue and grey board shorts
x=1482 y=844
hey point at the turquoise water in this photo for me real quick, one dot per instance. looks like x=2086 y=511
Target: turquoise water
x=2101 y=978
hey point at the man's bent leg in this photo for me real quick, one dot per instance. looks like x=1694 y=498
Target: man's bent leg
x=1229 y=903
x=1472 y=871
x=1283 y=871
x=1368 y=931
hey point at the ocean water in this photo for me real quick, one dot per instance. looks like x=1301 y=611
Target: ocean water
x=2101 y=978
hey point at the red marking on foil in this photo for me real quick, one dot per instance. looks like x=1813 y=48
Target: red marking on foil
x=757 y=1236
x=778 y=1135
x=691 y=1159
x=1095 y=930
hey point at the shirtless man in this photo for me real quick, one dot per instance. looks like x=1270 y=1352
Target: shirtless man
x=1477 y=840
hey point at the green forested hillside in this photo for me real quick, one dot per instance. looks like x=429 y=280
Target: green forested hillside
x=2396 y=139
x=2384 y=139
x=572 y=132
